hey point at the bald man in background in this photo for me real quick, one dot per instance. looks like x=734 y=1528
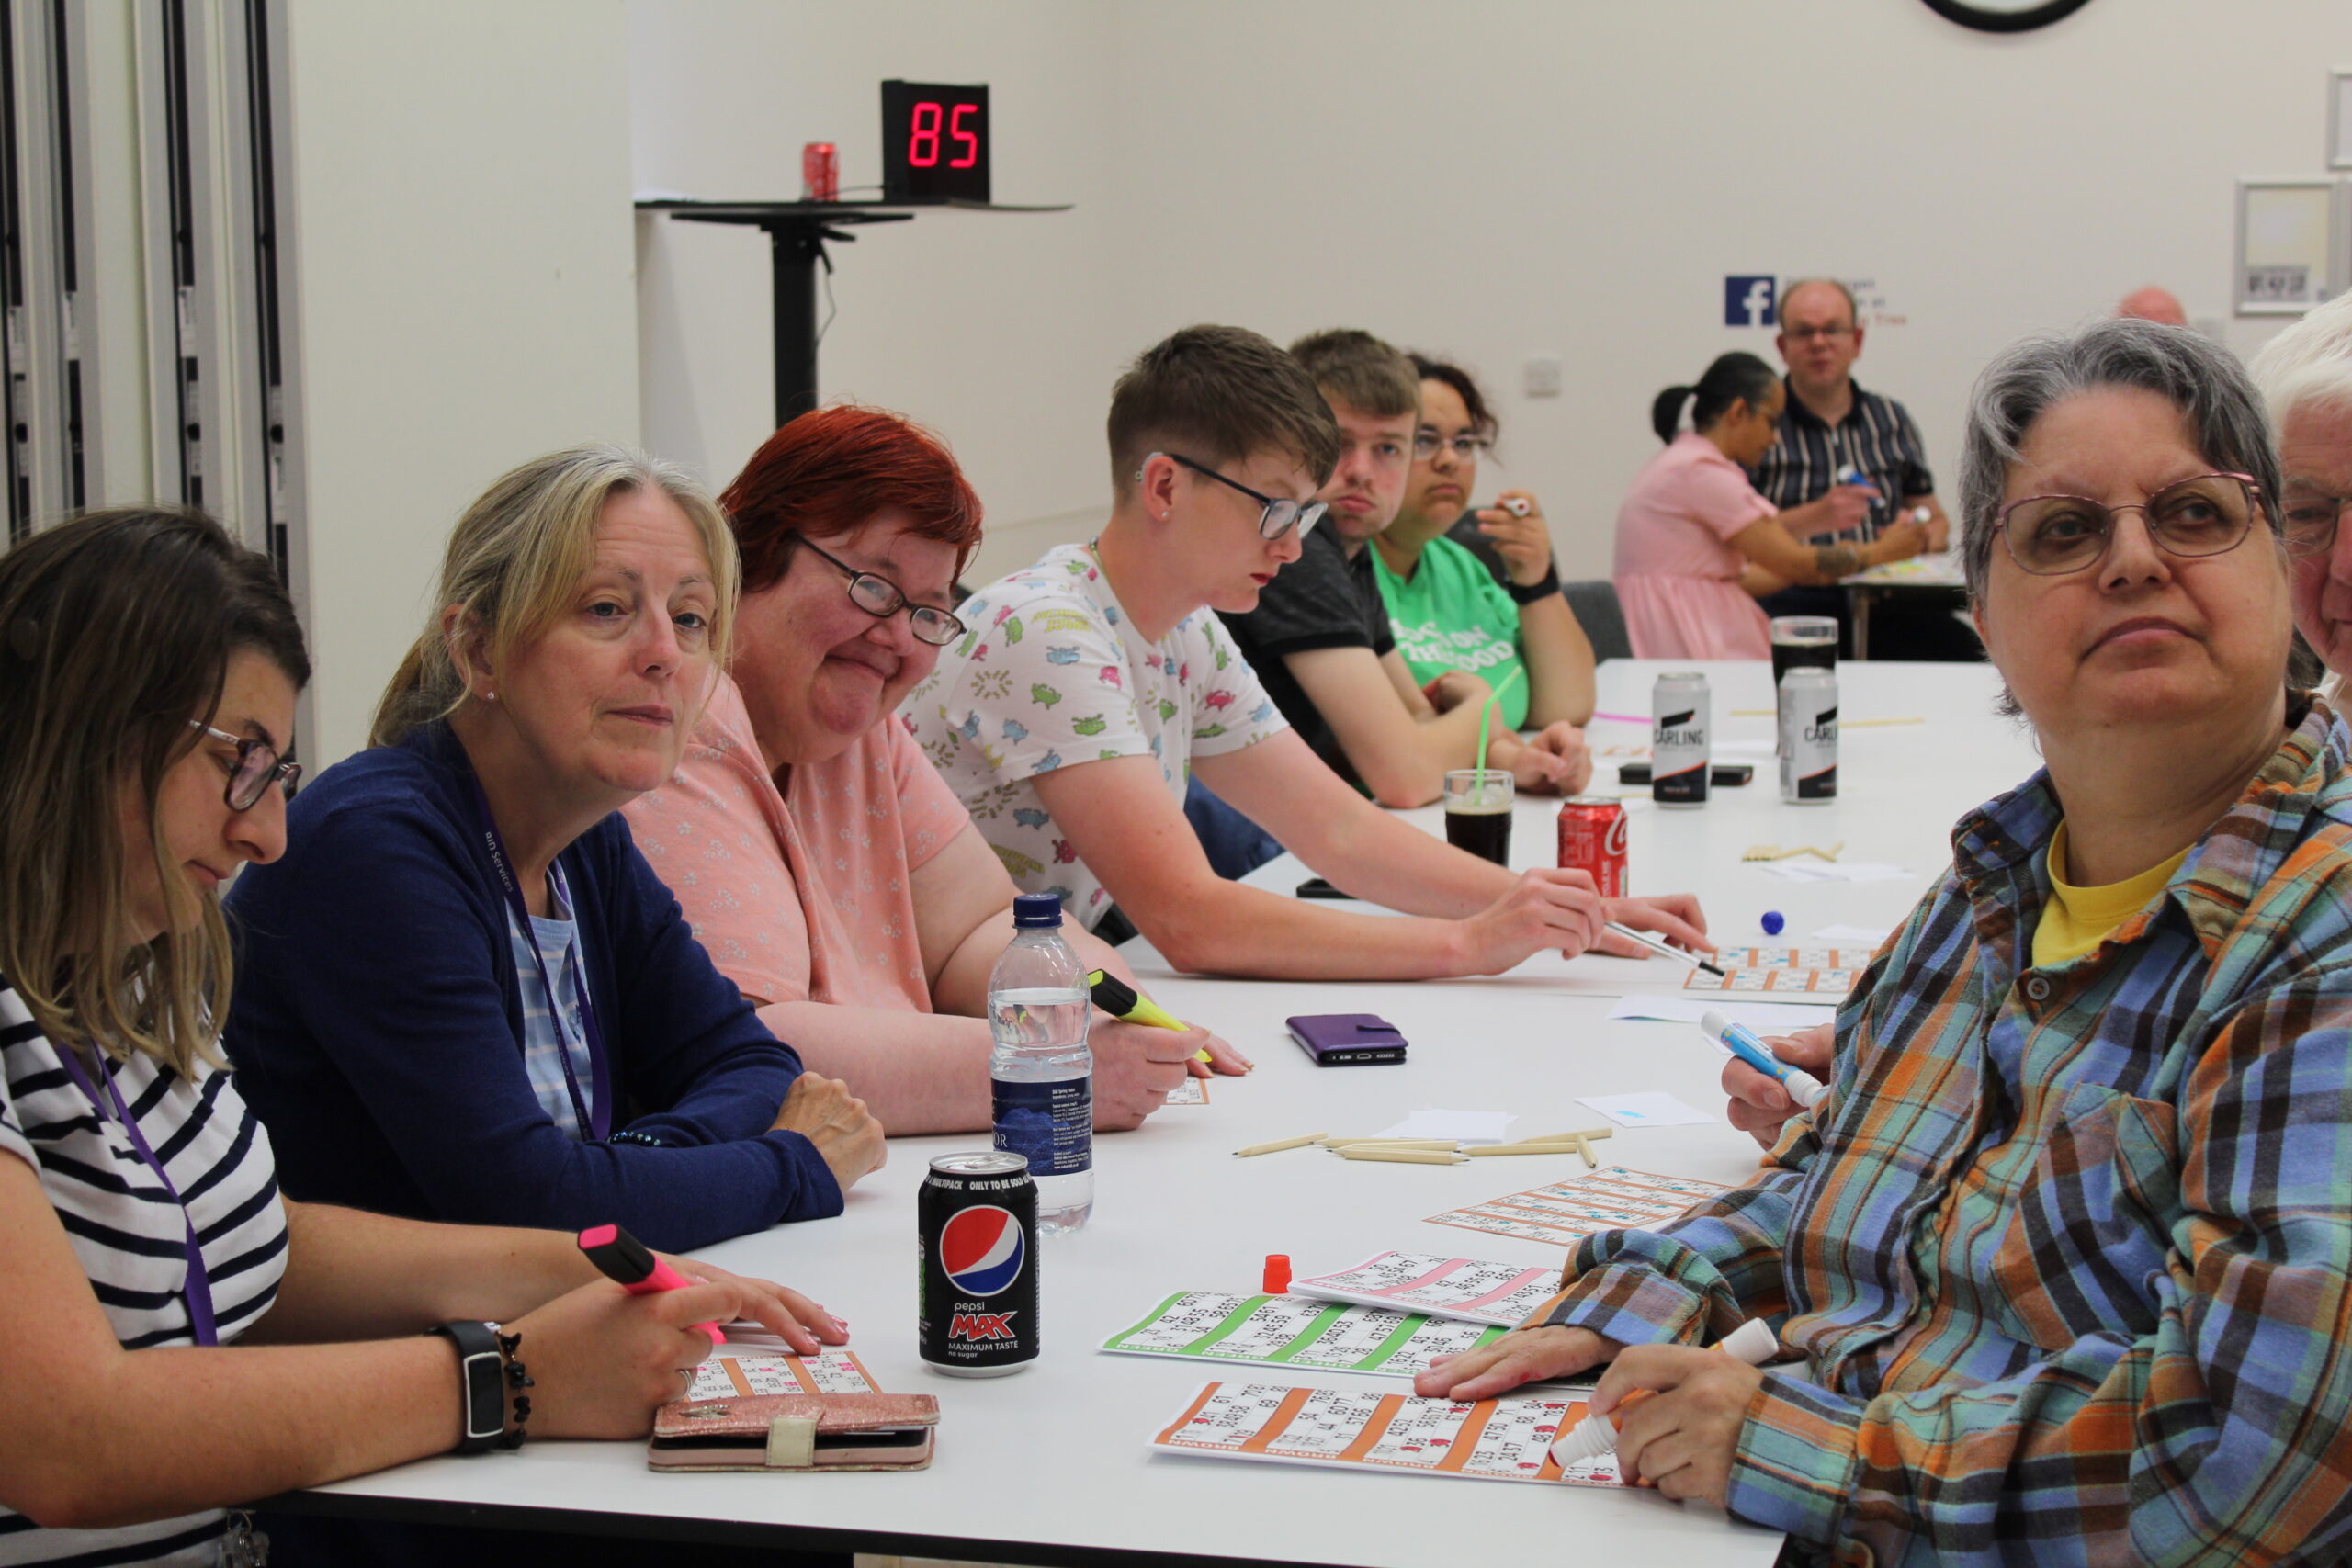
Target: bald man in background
x=2153 y=304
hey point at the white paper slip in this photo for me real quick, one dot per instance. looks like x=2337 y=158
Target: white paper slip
x=1650 y=1109
x=1765 y=1018
x=1804 y=868
x=1463 y=1288
x=1461 y=1126
x=1854 y=936
x=1192 y=1091
x=1494 y=1439
x=733 y=1372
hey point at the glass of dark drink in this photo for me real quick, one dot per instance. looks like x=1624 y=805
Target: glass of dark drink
x=1801 y=642
x=1477 y=812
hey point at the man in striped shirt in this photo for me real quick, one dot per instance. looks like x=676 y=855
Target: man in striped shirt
x=1830 y=424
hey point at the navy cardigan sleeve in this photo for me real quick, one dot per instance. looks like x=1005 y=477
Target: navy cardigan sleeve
x=377 y=1027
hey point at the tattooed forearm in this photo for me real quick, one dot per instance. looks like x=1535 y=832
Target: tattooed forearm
x=1834 y=561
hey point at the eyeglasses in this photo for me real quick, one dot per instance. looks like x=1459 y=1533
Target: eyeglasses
x=1806 y=334
x=1281 y=515
x=257 y=768
x=2208 y=516
x=1465 y=447
x=881 y=598
x=2311 y=515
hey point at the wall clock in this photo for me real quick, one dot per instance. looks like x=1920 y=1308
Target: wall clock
x=2004 y=15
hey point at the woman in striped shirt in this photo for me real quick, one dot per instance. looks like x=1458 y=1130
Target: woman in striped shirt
x=2065 y=1251
x=148 y=674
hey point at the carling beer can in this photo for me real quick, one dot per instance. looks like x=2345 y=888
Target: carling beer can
x=821 y=172
x=1678 y=747
x=1809 y=736
x=977 y=1218
x=1592 y=840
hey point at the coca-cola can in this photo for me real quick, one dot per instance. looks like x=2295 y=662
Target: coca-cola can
x=821 y=172
x=1592 y=840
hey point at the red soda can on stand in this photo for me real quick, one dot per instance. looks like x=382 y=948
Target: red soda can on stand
x=821 y=173
x=1592 y=840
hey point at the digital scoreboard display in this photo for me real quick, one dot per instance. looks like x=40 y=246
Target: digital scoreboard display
x=934 y=143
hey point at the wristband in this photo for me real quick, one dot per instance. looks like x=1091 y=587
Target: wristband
x=1535 y=592
x=645 y=1140
x=482 y=1385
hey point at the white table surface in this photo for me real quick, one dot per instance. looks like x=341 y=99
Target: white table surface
x=1051 y=1465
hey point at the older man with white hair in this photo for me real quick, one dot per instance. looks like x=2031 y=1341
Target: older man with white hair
x=2305 y=376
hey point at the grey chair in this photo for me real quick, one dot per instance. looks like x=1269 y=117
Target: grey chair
x=1594 y=604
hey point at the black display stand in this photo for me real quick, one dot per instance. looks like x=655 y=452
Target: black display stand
x=797 y=234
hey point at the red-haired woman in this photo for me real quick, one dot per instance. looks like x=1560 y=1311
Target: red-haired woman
x=829 y=870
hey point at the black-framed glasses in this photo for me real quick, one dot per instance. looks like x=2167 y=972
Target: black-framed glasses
x=881 y=598
x=2310 y=516
x=1280 y=514
x=1467 y=448
x=2207 y=515
x=257 y=768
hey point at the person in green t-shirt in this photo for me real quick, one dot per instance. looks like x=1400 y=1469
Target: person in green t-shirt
x=1447 y=609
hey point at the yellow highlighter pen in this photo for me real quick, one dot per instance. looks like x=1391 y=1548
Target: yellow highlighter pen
x=1128 y=1005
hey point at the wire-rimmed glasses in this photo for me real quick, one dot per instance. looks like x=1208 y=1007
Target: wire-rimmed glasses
x=2207 y=515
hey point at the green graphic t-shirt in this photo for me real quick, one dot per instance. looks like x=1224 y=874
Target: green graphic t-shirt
x=1454 y=615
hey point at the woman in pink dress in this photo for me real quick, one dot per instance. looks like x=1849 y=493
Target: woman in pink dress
x=1695 y=543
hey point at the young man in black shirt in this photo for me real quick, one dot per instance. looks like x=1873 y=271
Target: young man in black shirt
x=1319 y=639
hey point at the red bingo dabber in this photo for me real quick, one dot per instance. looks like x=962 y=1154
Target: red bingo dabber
x=624 y=1260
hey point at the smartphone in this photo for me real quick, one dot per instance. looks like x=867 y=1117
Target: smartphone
x=1723 y=776
x=1346 y=1039
x=1316 y=887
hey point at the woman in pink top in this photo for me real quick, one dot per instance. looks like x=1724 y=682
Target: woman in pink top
x=829 y=870
x=1696 y=544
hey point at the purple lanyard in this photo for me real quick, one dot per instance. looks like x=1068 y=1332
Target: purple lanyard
x=198 y=1289
x=599 y=1122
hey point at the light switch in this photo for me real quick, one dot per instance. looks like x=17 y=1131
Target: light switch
x=1543 y=376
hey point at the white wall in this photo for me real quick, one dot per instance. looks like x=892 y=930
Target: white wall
x=466 y=297
x=1491 y=179
x=1002 y=331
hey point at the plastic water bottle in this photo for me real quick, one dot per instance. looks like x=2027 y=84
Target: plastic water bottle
x=1041 y=1073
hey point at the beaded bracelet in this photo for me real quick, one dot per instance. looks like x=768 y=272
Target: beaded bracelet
x=518 y=1378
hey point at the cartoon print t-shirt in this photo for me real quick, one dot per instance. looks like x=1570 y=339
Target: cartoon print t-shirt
x=1051 y=675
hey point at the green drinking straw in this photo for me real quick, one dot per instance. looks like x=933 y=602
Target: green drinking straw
x=1488 y=717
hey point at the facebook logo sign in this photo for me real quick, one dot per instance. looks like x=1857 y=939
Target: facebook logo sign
x=1748 y=302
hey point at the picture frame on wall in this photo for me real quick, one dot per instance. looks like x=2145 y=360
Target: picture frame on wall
x=2339 y=118
x=2290 y=245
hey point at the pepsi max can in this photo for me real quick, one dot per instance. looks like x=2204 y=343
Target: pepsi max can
x=977 y=1218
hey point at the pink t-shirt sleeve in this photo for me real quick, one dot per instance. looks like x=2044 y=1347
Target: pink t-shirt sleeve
x=715 y=834
x=929 y=814
x=1718 y=497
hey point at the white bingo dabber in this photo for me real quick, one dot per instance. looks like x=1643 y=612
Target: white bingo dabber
x=1803 y=1087
x=1752 y=1342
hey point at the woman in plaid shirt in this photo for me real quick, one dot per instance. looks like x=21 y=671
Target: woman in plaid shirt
x=2066 y=1250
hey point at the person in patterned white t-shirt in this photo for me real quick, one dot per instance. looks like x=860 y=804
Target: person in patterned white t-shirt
x=149 y=1248
x=1069 y=716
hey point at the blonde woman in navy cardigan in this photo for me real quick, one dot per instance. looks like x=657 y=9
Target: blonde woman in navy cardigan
x=464 y=995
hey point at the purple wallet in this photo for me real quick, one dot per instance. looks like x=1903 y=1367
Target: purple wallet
x=1346 y=1039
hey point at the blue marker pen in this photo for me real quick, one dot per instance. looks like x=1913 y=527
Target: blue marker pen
x=1803 y=1087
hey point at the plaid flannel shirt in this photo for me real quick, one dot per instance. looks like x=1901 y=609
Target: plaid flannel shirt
x=2067 y=1250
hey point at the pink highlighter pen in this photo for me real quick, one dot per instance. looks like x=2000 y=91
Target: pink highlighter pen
x=624 y=1260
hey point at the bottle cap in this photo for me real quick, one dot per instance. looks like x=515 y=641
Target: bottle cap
x=1277 y=1276
x=1773 y=921
x=1037 y=909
